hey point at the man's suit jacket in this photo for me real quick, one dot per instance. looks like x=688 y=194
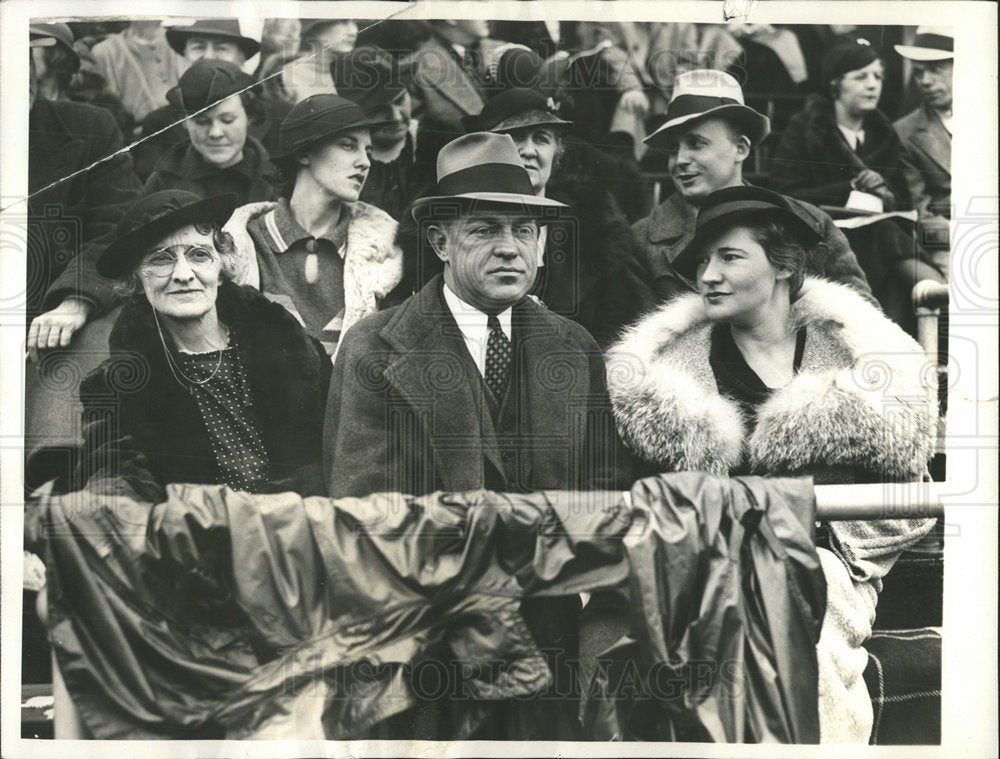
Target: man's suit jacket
x=442 y=90
x=407 y=411
x=928 y=160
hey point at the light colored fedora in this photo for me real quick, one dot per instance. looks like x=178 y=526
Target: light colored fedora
x=932 y=43
x=483 y=169
x=705 y=93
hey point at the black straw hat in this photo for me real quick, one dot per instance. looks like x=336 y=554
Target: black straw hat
x=177 y=36
x=515 y=108
x=318 y=118
x=731 y=206
x=206 y=82
x=845 y=57
x=154 y=216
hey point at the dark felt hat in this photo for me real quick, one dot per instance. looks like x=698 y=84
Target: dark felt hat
x=483 y=169
x=154 y=216
x=847 y=56
x=515 y=108
x=206 y=82
x=177 y=36
x=318 y=118
x=705 y=94
x=369 y=76
x=731 y=206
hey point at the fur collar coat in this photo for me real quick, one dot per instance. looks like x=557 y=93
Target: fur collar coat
x=139 y=421
x=864 y=400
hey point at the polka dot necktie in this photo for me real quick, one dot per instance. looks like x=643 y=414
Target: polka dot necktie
x=497 y=359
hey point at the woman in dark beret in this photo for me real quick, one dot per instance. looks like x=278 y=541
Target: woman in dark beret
x=220 y=156
x=842 y=152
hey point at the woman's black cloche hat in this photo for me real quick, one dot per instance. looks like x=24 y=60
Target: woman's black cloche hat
x=731 y=206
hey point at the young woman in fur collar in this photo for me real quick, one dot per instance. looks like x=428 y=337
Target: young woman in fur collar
x=767 y=372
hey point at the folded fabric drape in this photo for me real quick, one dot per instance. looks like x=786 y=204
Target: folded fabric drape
x=218 y=613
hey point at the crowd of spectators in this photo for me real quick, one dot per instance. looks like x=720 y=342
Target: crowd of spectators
x=289 y=183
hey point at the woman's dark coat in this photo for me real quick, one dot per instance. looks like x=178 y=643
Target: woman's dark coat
x=182 y=168
x=141 y=424
x=813 y=161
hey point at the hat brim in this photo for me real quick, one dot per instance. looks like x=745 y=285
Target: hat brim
x=528 y=119
x=757 y=125
x=41 y=41
x=177 y=39
x=541 y=209
x=923 y=53
x=686 y=262
x=126 y=251
x=371 y=125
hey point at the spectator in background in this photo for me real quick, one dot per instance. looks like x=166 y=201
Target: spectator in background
x=589 y=269
x=55 y=64
x=220 y=156
x=707 y=136
x=70 y=222
x=279 y=37
x=88 y=86
x=369 y=77
x=222 y=40
x=840 y=151
x=322 y=40
x=139 y=66
x=212 y=38
x=447 y=82
x=926 y=135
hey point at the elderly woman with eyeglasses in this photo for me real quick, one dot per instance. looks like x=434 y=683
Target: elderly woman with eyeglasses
x=207 y=381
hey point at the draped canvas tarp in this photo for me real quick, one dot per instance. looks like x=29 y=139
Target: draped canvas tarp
x=220 y=613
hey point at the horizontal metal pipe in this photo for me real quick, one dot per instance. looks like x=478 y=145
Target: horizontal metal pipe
x=890 y=500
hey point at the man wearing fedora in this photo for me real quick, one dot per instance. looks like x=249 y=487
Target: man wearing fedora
x=469 y=384
x=708 y=135
x=325 y=255
x=926 y=135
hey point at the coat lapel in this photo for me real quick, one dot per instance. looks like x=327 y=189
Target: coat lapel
x=430 y=366
x=933 y=139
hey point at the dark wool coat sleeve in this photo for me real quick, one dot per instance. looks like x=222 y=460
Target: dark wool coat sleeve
x=66 y=137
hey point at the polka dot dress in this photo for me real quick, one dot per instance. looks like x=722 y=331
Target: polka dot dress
x=223 y=401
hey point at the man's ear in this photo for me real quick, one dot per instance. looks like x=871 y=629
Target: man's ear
x=742 y=147
x=438 y=239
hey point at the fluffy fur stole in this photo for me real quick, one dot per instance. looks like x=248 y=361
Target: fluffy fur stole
x=864 y=396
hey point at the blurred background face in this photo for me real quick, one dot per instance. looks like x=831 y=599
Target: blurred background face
x=200 y=46
x=220 y=133
x=860 y=90
x=933 y=79
x=189 y=289
x=398 y=113
x=537 y=147
x=281 y=36
x=332 y=38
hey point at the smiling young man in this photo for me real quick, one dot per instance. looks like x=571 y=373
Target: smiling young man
x=708 y=135
x=469 y=384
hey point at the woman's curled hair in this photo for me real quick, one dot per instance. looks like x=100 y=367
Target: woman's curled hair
x=782 y=249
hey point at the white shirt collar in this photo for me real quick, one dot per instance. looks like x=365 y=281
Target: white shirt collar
x=852 y=136
x=472 y=322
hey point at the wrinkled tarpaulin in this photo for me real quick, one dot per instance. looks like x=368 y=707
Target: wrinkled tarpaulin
x=277 y=616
